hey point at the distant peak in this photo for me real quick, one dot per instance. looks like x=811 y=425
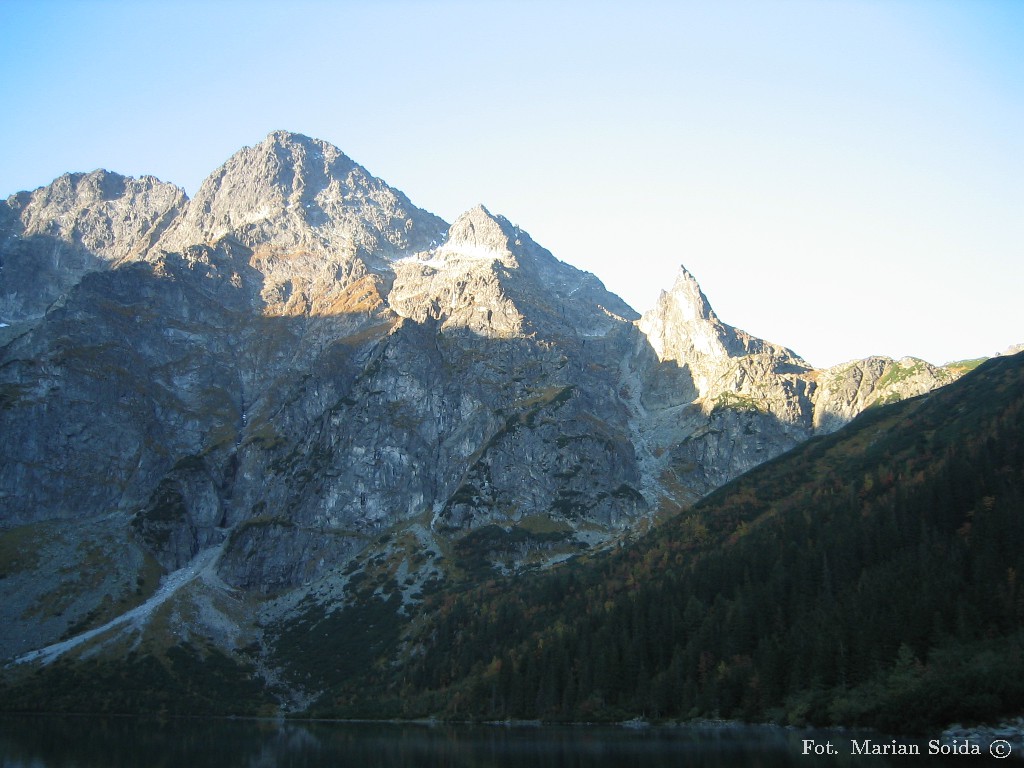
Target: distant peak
x=1014 y=350
x=286 y=143
x=289 y=137
x=292 y=191
x=284 y=164
x=688 y=296
x=683 y=274
x=480 y=210
x=100 y=184
x=479 y=214
x=479 y=229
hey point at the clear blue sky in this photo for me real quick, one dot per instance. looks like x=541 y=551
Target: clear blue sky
x=845 y=178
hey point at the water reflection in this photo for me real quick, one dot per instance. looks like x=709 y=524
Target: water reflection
x=83 y=742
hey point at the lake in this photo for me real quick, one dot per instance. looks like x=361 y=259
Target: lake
x=87 y=742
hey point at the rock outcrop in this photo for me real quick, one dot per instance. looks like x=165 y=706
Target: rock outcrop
x=82 y=222
x=715 y=401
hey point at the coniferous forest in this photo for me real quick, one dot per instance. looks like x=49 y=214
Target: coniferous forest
x=871 y=577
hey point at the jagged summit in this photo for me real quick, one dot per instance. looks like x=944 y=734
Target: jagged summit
x=490 y=276
x=89 y=209
x=291 y=192
x=79 y=223
x=97 y=185
x=285 y=138
x=683 y=326
x=689 y=299
x=479 y=232
x=1012 y=350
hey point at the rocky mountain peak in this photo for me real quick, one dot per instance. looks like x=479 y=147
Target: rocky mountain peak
x=89 y=209
x=1012 y=350
x=687 y=299
x=291 y=192
x=490 y=276
x=478 y=232
x=289 y=141
x=80 y=223
x=683 y=326
x=291 y=165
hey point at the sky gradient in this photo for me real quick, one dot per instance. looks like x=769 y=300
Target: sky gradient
x=844 y=178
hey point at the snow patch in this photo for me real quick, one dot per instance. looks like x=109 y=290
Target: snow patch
x=447 y=256
x=470 y=251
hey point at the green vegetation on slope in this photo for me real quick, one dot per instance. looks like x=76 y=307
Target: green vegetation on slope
x=870 y=577
x=184 y=680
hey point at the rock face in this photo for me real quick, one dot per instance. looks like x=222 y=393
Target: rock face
x=299 y=368
x=715 y=401
x=293 y=193
x=50 y=238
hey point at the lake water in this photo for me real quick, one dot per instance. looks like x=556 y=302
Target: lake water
x=85 y=742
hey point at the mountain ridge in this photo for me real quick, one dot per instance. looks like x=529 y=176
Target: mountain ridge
x=297 y=277
x=303 y=371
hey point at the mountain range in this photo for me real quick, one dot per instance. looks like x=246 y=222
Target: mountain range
x=225 y=415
